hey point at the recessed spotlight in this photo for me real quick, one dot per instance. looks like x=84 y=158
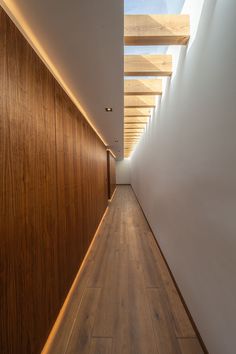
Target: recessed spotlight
x=108 y=109
x=116 y=141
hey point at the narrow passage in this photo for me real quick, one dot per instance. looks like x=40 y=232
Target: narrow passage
x=125 y=301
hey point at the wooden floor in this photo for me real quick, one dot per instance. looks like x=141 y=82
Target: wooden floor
x=124 y=301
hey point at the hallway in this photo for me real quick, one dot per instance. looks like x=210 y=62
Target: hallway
x=124 y=300
x=118 y=170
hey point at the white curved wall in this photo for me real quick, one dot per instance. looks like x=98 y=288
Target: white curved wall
x=184 y=174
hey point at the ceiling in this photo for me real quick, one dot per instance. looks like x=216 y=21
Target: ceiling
x=84 y=41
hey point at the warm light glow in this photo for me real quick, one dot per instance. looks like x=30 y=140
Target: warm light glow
x=56 y=325
x=14 y=13
x=112 y=153
x=108 y=109
x=112 y=195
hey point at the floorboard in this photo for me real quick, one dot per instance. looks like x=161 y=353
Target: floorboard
x=126 y=301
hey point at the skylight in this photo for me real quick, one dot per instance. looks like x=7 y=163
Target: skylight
x=148 y=63
x=134 y=7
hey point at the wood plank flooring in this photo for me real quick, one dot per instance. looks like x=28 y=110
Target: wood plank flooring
x=125 y=301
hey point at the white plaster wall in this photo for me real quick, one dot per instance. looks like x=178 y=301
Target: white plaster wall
x=123 y=171
x=184 y=173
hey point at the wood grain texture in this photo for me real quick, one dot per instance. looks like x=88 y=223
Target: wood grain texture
x=101 y=346
x=156 y=29
x=137 y=112
x=139 y=101
x=129 y=147
x=135 y=120
x=143 y=87
x=133 y=134
x=133 y=130
x=111 y=174
x=128 y=139
x=148 y=65
x=134 y=125
x=167 y=342
x=80 y=336
x=53 y=193
x=125 y=306
x=190 y=346
x=128 y=143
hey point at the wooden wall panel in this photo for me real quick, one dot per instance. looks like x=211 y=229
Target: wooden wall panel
x=111 y=174
x=53 y=193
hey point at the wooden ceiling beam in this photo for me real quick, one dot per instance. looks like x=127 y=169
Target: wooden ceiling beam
x=137 y=112
x=143 y=87
x=130 y=138
x=156 y=29
x=135 y=125
x=129 y=135
x=133 y=128
x=139 y=137
x=129 y=145
x=133 y=136
x=148 y=65
x=135 y=120
x=136 y=130
x=140 y=101
x=132 y=123
x=133 y=132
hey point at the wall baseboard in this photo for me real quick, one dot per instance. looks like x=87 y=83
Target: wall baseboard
x=204 y=348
